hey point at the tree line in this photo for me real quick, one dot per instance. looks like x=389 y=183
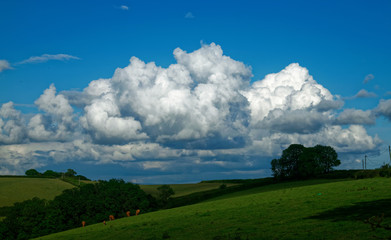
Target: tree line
x=70 y=173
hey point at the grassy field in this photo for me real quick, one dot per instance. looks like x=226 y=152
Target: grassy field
x=184 y=189
x=295 y=210
x=19 y=189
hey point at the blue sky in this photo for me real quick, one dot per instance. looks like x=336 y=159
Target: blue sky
x=205 y=109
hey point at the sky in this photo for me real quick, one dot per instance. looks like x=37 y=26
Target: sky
x=185 y=91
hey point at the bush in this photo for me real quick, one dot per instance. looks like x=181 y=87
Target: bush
x=385 y=170
x=366 y=174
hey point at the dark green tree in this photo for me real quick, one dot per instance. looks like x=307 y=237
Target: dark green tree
x=32 y=172
x=298 y=161
x=288 y=164
x=164 y=193
x=70 y=173
x=327 y=158
x=308 y=164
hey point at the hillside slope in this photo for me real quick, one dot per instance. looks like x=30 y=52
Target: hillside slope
x=334 y=210
x=184 y=189
x=14 y=189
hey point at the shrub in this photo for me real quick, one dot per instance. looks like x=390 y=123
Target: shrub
x=366 y=174
x=385 y=170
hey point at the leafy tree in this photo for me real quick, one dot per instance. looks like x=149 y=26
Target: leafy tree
x=165 y=192
x=308 y=164
x=288 y=164
x=70 y=173
x=32 y=172
x=328 y=158
x=298 y=161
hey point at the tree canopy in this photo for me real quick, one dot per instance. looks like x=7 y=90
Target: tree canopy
x=298 y=161
x=32 y=172
x=165 y=191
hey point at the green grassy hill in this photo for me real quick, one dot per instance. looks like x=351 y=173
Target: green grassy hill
x=316 y=209
x=18 y=189
x=184 y=189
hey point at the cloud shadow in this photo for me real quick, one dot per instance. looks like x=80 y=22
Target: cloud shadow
x=359 y=211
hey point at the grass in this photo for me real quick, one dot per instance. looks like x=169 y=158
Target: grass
x=19 y=189
x=184 y=189
x=295 y=210
x=75 y=181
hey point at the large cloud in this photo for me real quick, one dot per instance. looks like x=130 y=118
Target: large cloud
x=289 y=90
x=199 y=115
x=192 y=103
x=12 y=128
x=58 y=121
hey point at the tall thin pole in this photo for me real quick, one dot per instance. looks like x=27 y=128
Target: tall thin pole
x=365 y=161
x=389 y=150
x=362 y=160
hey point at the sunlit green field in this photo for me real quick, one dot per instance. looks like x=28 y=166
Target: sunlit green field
x=184 y=189
x=19 y=189
x=330 y=210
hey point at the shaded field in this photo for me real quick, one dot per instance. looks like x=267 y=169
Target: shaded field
x=294 y=210
x=184 y=189
x=19 y=189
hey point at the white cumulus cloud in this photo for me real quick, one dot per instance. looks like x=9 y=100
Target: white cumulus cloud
x=200 y=114
x=57 y=123
x=289 y=90
x=12 y=128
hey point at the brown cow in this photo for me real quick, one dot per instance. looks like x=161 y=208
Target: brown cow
x=111 y=217
x=83 y=223
x=128 y=213
x=137 y=211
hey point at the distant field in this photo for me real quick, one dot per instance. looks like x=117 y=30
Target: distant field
x=294 y=210
x=19 y=189
x=183 y=189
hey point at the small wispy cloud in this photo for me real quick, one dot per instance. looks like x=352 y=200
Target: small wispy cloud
x=25 y=105
x=48 y=57
x=4 y=65
x=189 y=15
x=124 y=7
x=365 y=94
x=368 y=78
